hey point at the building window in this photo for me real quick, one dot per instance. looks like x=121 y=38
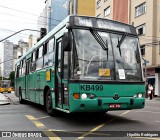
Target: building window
x=141 y=29
x=141 y=9
x=107 y=11
x=142 y=50
x=98 y=4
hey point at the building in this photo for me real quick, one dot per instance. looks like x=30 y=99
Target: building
x=57 y=12
x=83 y=8
x=32 y=41
x=113 y=9
x=43 y=19
x=144 y=15
x=6 y=58
x=53 y=13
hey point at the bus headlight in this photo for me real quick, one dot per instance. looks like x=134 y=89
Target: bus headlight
x=84 y=96
x=135 y=96
x=140 y=95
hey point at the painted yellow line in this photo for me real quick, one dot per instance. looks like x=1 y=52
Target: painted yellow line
x=43 y=128
x=125 y=112
x=43 y=117
x=100 y=126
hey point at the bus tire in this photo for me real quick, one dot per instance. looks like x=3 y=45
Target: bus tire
x=21 y=101
x=48 y=103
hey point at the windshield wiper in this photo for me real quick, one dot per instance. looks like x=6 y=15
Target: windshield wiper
x=100 y=40
x=120 y=42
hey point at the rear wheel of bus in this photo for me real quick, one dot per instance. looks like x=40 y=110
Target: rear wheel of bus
x=48 y=103
x=21 y=101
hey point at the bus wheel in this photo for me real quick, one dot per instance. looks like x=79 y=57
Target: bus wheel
x=21 y=101
x=48 y=104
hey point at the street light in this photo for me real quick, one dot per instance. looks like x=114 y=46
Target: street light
x=17 y=33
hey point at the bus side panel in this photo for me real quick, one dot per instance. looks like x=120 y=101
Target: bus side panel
x=39 y=88
x=31 y=86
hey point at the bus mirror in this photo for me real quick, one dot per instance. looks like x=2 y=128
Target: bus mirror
x=65 y=42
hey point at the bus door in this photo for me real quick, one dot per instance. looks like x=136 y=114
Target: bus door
x=27 y=77
x=61 y=82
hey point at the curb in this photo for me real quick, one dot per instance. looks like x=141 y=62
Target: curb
x=4 y=100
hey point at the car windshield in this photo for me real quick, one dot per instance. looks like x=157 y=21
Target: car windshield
x=103 y=57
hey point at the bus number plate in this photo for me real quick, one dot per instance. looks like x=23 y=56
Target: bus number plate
x=114 y=106
x=91 y=87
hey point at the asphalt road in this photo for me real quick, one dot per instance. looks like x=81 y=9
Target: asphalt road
x=30 y=120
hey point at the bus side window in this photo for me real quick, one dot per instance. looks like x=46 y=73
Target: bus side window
x=32 y=64
x=20 y=71
x=17 y=71
x=49 y=57
x=24 y=67
x=39 y=58
x=37 y=53
x=50 y=45
x=45 y=50
x=28 y=67
x=65 y=69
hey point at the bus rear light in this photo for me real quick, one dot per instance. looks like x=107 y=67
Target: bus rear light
x=76 y=95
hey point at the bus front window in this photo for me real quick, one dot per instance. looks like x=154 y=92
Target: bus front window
x=127 y=58
x=91 y=59
x=105 y=56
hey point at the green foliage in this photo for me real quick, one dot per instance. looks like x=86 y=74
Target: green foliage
x=11 y=77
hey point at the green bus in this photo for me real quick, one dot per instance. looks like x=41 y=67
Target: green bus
x=85 y=64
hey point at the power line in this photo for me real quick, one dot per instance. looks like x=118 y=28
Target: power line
x=28 y=13
x=45 y=23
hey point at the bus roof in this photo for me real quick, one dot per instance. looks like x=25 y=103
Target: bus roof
x=84 y=21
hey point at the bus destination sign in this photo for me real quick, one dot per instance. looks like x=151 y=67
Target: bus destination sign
x=102 y=23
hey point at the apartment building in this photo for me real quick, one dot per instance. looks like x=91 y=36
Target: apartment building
x=143 y=14
x=82 y=8
x=113 y=9
x=6 y=58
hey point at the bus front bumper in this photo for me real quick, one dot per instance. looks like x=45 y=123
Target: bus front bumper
x=107 y=104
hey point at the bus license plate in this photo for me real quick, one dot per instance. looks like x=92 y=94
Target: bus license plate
x=114 y=106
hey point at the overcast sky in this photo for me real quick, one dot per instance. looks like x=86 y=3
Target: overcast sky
x=16 y=15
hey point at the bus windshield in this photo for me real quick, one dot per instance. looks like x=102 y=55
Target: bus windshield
x=106 y=56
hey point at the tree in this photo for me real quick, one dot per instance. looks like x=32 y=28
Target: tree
x=11 y=77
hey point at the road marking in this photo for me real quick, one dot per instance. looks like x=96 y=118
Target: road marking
x=43 y=128
x=146 y=111
x=43 y=117
x=98 y=127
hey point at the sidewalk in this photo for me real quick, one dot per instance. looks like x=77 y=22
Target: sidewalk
x=3 y=99
x=8 y=98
